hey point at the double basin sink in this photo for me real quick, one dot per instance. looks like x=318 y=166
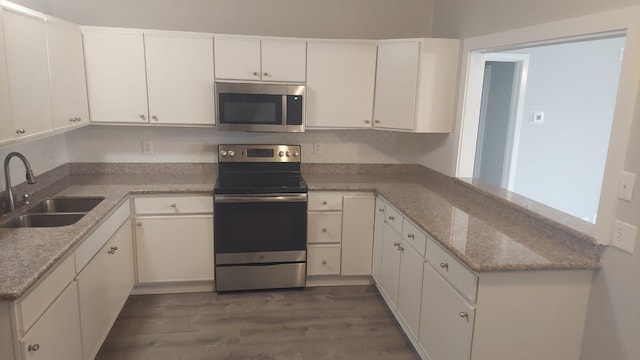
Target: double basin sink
x=54 y=212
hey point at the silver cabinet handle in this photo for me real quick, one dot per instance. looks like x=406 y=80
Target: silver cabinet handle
x=265 y=74
x=324 y=262
x=255 y=73
x=367 y=121
x=444 y=265
x=173 y=205
x=324 y=230
x=401 y=248
x=396 y=244
x=143 y=117
x=112 y=250
x=324 y=202
x=411 y=236
x=464 y=314
x=391 y=218
x=21 y=131
x=154 y=117
x=377 y=121
x=72 y=119
x=78 y=119
x=34 y=347
x=381 y=210
x=139 y=223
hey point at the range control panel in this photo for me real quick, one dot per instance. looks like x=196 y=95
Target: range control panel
x=258 y=153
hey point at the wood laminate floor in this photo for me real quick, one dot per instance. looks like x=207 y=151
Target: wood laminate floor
x=347 y=322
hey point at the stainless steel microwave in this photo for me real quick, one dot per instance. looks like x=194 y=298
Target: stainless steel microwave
x=260 y=107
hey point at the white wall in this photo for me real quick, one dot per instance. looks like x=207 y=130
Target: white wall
x=561 y=162
x=124 y=144
x=43 y=155
x=370 y=19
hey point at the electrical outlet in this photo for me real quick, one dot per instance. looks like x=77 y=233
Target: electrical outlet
x=625 y=188
x=147 y=147
x=624 y=236
x=317 y=148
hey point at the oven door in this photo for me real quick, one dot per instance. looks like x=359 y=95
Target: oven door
x=260 y=228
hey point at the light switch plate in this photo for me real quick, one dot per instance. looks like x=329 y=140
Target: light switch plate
x=625 y=188
x=536 y=117
x=624 y=236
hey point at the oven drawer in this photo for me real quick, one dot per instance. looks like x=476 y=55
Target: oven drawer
x=190 y=204
x=323 y=260
x=319 y=201
x=324 y=227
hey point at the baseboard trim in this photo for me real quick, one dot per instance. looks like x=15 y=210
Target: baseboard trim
x=173 y=288
x=336 y=280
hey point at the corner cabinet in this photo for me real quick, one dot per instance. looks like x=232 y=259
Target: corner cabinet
x=260 y=59
x=416 y=81
x=449 y=312
x=340 y=84
x=7 y=130
x=147 y=77
x=174 y=240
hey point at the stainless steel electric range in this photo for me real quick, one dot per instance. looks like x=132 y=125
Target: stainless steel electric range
x=260 y=218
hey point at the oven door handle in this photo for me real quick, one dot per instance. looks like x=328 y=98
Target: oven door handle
x=262 y=198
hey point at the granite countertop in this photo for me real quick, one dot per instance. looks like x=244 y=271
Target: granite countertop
x=483 y=240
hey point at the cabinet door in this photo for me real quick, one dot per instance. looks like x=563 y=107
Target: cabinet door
x=28 y=69
x=116 y=80
x=68 y=82
x=7 y=129
x=396 y=85
x=56 y=335
x=174 y=248
x=340 y=84
x=103 y=287
x=378 y=235
x=180 y=79
x=357 y=234
x=390 y=277
x=284 y=60
x=446 y=320
x=410 y=287
x=237 y=58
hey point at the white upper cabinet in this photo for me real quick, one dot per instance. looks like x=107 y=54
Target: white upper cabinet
x=7 y=130
x=116 y=79
x=149 y=77
x=28 y=69
x=415 y=85
x=180 y=79
x=68 y=82
x=340 y=84
x=250 y=58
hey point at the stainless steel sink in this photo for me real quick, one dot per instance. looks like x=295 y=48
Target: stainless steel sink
x=43 y=220
x=66 y=205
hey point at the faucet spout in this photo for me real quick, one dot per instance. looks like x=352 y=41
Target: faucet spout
x=31 y=179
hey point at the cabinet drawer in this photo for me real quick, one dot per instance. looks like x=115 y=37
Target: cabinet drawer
x=34 y=304
x=414 y=236
x=325 y=201
x=323 y=260
x=452 y=270
x=90 y=246
x=324 y=227
x=394 y=218
x=173 y=205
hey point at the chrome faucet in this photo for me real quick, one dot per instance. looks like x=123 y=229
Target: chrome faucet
x=31 y=179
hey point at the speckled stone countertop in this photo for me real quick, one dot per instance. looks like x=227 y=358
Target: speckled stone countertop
x=474 y=230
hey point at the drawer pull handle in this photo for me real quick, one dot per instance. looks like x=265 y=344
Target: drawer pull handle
x=464 y=315
x=139 y=223
x=324 y=230
x=324 y=202
x=401 y=248
x=112 y=250
x=411 y=236
x=391 y=218
x=381 y=210
x=324 y=262
x=396 y=244
x=34 y=347
x=173 y=205
x=444 y=266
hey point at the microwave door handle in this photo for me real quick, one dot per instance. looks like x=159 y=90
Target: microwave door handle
x=284 y=110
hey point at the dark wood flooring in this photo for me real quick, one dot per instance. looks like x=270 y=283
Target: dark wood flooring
x=347 y=322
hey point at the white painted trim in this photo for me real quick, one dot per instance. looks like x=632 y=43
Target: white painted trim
x=482 y=120
x=601 y=25
x=520 y=85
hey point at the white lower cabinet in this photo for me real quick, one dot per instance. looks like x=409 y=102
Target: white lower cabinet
x=174 y=248
x=378 y=235
x=446 y=319
x=56 y=335
x=103 y=287
x=410 y=287
x=390 y=277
